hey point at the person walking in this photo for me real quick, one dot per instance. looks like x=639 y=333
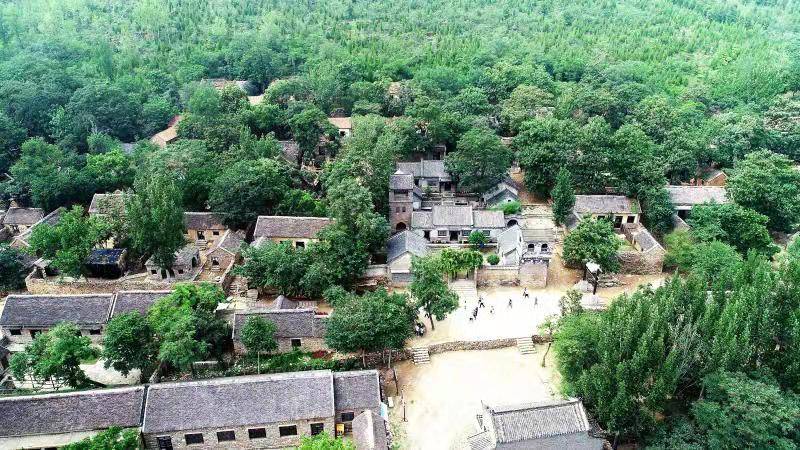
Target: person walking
x=491 y=310
x=480 y=303
x=525 y=294
x=510 y=305
x=535 y=301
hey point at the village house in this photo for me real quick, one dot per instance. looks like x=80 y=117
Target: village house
x=551 y=425
x=108 y=205
x=139 y=301
x=225 y=253
x=301 y=328
x=400 y=249
x=429 y=175
x=184 y=268
x=257 y=411
x=203 y=228
x=684 y=198
x=344 y=125
x=369 y=431
x=25 y=316
x=709 y=176
x=516 y=245
x=298 y=231
x=21 y=241
x=106 y=263
x=454 y=223
x=18 y=220
x=54 y=420
x=168 y=135
x=643 y=254
x=506 y=191
x=617 y=209
x=404 y=198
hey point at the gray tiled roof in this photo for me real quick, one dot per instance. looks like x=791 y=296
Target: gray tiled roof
x=289 y=323
x=357 y=390
x=183 y=256
x=401 y=181
x=509 y=239
x=232 y=240
x=239 y=401
x=282 y=302
x=406 y=241
x=48 y=310
x=421 y=219
x=289 y=227
x=605 y=204
x=23 y=216
x=425 y=169
x=51 y=219
x=141 y=301
x=515 y=423
x=202 y=221
x=452 y=215
x=485 y=218
x=108 y=204
x=696 y=195
x=369 y=431
x=71 y=412
x=341 y=122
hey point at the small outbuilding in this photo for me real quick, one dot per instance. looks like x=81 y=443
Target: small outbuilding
x=106 y=263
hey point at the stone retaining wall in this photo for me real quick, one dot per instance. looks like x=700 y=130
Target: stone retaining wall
x=641 y=263
x=498 y=276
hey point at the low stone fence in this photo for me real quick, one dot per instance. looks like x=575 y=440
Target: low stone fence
x=498 y=276
x=56 y=285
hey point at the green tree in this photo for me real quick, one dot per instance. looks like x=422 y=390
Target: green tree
x=325 y=441
x=12 y=269
x=477 y=239
x=563 y=196
x=155 y=218
x=740 y=227
x=12 y=135
x=258 y=336
x=297 y=202
x=376 y=321
x=543 y=146
x=128 y=344
x=110 y=171
x=429 y=290
x=114 y=438
x=593 y=240
x=480 y=161
x=526 y=103
x=248 y=189
x=55 y=357
x=766 y=183
x=307 y=126
x=69 y=242
x=278 y=266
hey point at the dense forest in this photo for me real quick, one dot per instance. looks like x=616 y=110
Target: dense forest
x=600 y=95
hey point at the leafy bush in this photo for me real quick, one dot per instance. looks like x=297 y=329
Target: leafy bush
x=509 y=207
x=493 y=259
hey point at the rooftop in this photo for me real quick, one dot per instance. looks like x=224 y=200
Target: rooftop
x=403 y=242
x=525 y=422
x=140 y=301
x=606 y=204
x=697 y=195
x=113 y=203
x=48 y=310
x=341 y=122
x=23 y=216
x=457 y=216
x=401 y=181
x=239 y=401
x=289 y=227
x=105 y=256
x=202 y=221
x=425 y=169
x=358 y=389
x=289 y=323
x=71 y=412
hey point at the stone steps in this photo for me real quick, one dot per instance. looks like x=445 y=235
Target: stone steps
x=526 y=346
x=466 y=290
x=420 y=355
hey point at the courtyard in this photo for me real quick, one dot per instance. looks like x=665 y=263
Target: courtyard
x=440 y=400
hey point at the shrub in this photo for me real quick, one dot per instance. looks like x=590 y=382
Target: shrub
x=493 y=259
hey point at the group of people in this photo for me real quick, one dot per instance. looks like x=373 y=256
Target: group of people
x=525 y=296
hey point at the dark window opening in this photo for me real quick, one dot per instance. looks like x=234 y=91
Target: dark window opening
x=300 y=244
x=94 y=332
x=16 y=332
x=214 y=262
x=226 y=436
x=154 y=271
x=317 y=428
x=257 y=433
x=164 y=443
x=630 y=219
x=296 y=342
x=426 y=234
x=194 y=262
x=215 y=233
x=545 y=247
x=34 y=333
x=348 y=416
x=401 y=226
x=512 y=222
x=287 y=430
x=201 y=236
x=193 y=438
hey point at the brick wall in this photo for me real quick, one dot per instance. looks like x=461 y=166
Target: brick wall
x=641 y=263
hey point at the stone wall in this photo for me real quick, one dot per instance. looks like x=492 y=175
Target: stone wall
x=307 y=344
x=54 y=285
x=498 y=276
x=641 y=263
x=533 y=275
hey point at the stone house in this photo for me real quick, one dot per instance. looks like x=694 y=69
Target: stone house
x=257 y=411
x=185 y=266
x=616 y=208
x=556 y=425
x=685 y=197
x=18 y=220
x=506 y=191
x=299 y=231
x=140 y=301
x=110 y=204
x=404 y=198
x=168 y=135
x=400 y=249
x=225 y=253
x=344 y=125
x=709 y=177
x=369 y=431
x=203 y=228
x=54 y=420
x=300 y=328
x=454 y=223
x=645 y=255
x=429 y=175
x=20 y=241
x=25 y=316
x=106 y=263
x=517 y=246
